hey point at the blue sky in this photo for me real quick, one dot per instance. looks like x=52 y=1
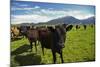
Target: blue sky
x=28 y=12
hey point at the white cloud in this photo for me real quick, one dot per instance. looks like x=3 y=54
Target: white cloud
x=54 y=13
x=79 y=14
x=75 y=13
x=83 y=16
x=45 y=15
x=25 y=8
x=37 y=7
x=29 y=19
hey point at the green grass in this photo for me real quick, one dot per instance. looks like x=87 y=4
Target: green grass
x=79 y=47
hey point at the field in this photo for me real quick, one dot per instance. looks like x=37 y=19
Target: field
x=79 y=47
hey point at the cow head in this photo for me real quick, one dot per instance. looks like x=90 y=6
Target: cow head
x=59 y=35
x=69 y=27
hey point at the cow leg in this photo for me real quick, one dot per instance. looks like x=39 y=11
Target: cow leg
x=31 y=46
x=54 y=56
x=43 y=50
x=23 y=36
x=35 y=47
x=37 y=42
x=61 y=56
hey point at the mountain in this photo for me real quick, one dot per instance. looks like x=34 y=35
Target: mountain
x=66 y=20
x=90 y=20
x=72 y=20
x=26 y=24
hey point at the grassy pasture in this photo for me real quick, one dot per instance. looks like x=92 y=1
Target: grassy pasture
x=79 y=47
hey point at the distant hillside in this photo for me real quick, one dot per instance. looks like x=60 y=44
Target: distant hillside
x=66 y=20
x=90 y=20
x=26 y=24
x=72 y=20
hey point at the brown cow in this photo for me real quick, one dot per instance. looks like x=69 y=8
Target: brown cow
x=77 y=27
x=50 y=38
x=84 y=27
x=54 y=39
x=32 y=35
x=23 y=30
x=14 y=32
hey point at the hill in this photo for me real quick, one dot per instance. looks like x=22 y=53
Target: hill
x=72 y=20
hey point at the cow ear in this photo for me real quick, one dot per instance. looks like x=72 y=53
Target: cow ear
x=54 y=27
x=51 y=29
x=64 y=25
x=69 y=27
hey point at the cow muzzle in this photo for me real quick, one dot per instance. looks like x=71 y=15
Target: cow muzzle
x=61 y=45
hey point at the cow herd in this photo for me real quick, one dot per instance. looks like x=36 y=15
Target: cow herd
x=50 y=37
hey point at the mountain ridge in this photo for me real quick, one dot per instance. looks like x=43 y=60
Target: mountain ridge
x=65 y=20
x=73 y=20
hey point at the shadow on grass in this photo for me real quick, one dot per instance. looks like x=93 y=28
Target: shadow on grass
x=30 y=59
x=15 y=39
x=21 y=49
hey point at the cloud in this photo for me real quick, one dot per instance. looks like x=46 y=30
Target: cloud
x=29 y=19
x=53 y=13
x=25 y=8
x=44 y=15
x=37 y=7
x=79 y=14
x=61 y=13
x=22 y=8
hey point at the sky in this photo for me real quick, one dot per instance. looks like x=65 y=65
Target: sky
x=36 y=12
